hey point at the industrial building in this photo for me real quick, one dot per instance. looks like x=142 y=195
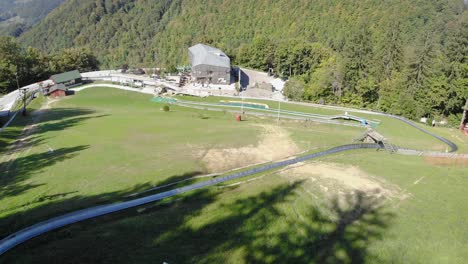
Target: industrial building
x=209 y=65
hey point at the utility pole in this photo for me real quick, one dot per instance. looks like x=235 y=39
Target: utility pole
x=242 y=98
x=17 y=83
x=23 y=92
x=240 y=79
x=464 y=116
x=279 y=110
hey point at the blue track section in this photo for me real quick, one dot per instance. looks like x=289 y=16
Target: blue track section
x=85 y=214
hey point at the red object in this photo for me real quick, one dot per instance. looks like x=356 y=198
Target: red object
x=464 y=129
x=57 y=93
x=238 y=118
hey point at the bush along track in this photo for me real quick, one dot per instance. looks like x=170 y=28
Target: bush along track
x=57 y=222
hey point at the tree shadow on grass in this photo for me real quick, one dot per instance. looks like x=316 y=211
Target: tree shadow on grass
x=56 y=119
x=64 y=124
x=341 y=236
x=59 y=119
x=17 y=166
x=61 y=113
x=9 y=141
x=17 y=172
x=255 y=229
x=62 y=203
x=263 y=230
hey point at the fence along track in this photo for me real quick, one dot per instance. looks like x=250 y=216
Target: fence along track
x=18 y=108
x=453 y=146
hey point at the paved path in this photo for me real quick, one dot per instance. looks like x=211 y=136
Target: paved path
x=7 y=101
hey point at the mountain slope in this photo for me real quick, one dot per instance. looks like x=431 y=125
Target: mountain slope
x=168 y=27
x=117 y=30
x=402 y=56
x=18 y=16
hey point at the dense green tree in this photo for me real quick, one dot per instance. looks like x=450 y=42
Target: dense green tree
x=391 y=92
x=325 y=81
x=74 y=59
x=358 y=52
x=259 y=55
x=20 y=66
x=36 y=65
x=389 y=52
x=294 y=89
x=10 y=62
x=456 y=70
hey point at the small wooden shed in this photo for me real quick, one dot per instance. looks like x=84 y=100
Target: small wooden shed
x=58 y=90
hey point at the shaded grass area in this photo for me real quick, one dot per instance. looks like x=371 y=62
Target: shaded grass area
x=276 y=220
x=245 y=224
x=12 y=132
x=15 y=174
x=93 y=145
x=107 y=141
x=430 y=226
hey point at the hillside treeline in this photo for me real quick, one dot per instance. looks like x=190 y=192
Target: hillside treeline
x=401 y=56
x=18 y=16
x=23 y=66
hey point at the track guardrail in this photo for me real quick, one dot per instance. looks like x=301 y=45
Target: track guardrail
x=453 y=146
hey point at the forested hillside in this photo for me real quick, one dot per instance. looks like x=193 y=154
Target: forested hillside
x=21 y=66
x=402 y=56
x=18 y=16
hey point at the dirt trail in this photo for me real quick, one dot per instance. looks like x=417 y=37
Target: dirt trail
x=275 y=144
x=341 y=180
x=22 y=144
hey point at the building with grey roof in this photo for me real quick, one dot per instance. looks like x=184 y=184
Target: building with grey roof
x=71 y=78
x=209 y=65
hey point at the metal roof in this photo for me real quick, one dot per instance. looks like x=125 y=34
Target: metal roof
x=56 y=87
x=66 y=76
x=204 y=54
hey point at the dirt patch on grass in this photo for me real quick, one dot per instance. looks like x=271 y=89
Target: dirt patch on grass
x=457 y=161
x=342 y=180
x=275 y=143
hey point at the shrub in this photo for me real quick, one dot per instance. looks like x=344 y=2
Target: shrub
x=166 y=108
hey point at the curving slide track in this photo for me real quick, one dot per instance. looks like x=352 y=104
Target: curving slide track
x=78 y=216
x=57 y=222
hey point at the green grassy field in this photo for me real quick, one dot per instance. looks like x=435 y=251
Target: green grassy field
x=103 y=145
x=276 y=219
x=395 y=131
x=107 y=140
